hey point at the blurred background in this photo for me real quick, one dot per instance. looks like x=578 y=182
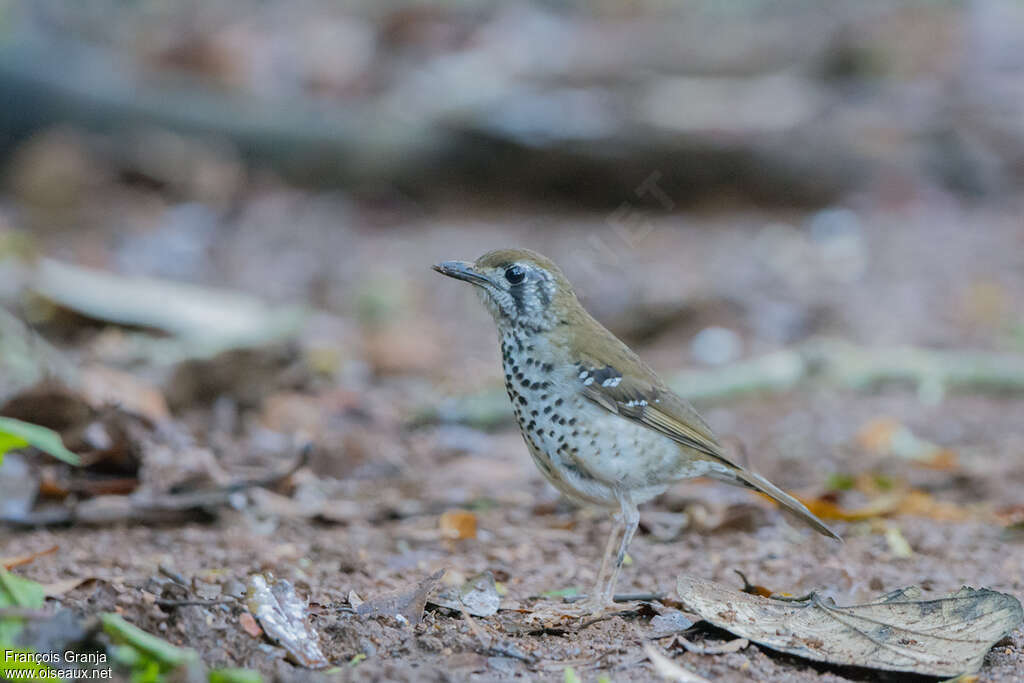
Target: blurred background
x=217 y=221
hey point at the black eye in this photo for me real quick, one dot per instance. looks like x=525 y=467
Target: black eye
x=515 y=274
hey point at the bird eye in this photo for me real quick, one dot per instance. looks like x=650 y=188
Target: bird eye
x=515 y=274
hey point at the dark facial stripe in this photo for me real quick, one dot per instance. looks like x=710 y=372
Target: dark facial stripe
x=543 y=293
x=517 y=292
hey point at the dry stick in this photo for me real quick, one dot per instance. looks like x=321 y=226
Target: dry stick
x=193 y=603
x=621 y=597
x=162 y=507
x=21 y=560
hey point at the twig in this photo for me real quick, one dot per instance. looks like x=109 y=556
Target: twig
x=484 y=639
x=21 y=560
x=621 y=597
x=158 y=508
x=193 y=603
x=507 y=650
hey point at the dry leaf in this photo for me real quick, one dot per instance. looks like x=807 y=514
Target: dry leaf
x=458 y=524
x=898 y=545
x=903 y=502
x=886 y=436
x=249 y=624
x=478 y=596
x=406 y=602
x=669 y=670
x=59 y=588
x=283 y=616
x=898 y=632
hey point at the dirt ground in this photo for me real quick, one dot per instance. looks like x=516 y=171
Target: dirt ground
x=925 y=272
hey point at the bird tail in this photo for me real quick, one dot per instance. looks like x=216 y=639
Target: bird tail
x=742 y=477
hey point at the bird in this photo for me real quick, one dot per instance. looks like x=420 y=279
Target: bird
x=600 y=425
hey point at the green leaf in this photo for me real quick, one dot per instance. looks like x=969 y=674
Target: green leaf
x=147 y=656
x=18 y=434
x=569 y=675
x=235 y=676
x=16 y=591
x=562 y=593
x=25 y=660
x=839 y=482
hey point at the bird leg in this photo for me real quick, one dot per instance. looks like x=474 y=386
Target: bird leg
x=627 y=520
x=624 y=524
x=600 y=597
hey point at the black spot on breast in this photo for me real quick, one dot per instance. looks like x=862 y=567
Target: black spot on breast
x=533 y=413
x=535 y=386
x=547 y=367
x=572 y=420
x=561 y=420
x=547 y=409
x=558 y=402
x=554 y=417
x=525 y=383
x=521 y=400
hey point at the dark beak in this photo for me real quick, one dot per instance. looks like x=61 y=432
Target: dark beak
x=461 y=270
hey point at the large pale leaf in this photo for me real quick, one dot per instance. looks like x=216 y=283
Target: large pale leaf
x=283 y=616
x=900 y=631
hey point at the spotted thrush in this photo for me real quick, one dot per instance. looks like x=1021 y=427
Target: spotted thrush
x=600 y=425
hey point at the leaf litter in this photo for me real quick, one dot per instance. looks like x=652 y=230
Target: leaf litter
x=284 y=619
x=900 y=631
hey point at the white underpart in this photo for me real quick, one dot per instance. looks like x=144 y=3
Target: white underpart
x=611 y=451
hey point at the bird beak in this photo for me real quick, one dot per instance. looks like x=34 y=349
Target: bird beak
x=461 y=270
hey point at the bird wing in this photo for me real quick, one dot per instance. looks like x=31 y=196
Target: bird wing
x=643 y=398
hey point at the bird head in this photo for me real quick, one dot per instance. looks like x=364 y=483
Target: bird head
x=521 y=288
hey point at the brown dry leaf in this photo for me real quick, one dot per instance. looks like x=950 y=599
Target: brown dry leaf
x=458 y=524
x=903 y=502
x=406 y=602
x=887 y=436
x=898 y=632
x=877 y=433
x=101 y=386
x=283 y=617
x=827 y=509
x=922 y=504
x=59 y=588
x=751 y=588
x=250 y=625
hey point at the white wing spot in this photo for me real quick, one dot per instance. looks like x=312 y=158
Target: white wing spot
x=611 y=382
x=583 y=375
x=588 y=381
